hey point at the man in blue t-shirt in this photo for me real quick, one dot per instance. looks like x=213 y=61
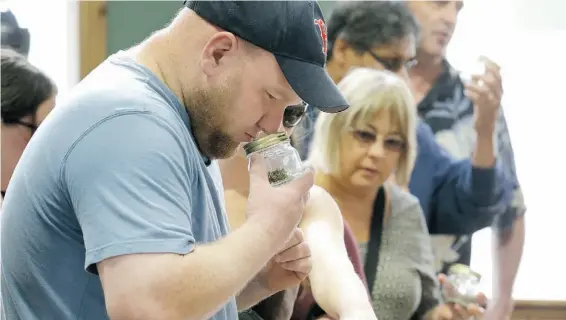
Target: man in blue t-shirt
x=115 y=209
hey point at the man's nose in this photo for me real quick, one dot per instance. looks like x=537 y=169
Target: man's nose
x=272 y=123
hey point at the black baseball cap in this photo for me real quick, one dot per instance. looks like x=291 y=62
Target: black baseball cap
x=293 y=31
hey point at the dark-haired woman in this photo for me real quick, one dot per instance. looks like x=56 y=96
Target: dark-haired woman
x=28 y=95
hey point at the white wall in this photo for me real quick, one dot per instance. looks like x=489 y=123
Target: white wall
x=527 y=39
x=53 y=27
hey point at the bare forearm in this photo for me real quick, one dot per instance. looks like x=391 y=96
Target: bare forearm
x=507 y=252
x=484 y=154
x=196 y=285
x=338 y=290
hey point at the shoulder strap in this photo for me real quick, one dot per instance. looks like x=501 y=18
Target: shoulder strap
x=373 y=248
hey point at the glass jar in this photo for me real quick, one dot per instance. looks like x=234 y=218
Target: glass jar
x=463 y=285
x=282 y=160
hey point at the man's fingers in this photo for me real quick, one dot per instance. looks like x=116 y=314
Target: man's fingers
x=490 y=64
x=299 y=251
x=473 y=310
x=478 y=87
x=304 y=182
x=443 y=313
x=302 y=275
x=488 y=84
x=298 y=266
x=296 y=237
x=493 y=70
x=258 y=168
x=442 y=278
x=481 y=299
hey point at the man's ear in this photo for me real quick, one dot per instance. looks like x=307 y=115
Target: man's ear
x=220 y=50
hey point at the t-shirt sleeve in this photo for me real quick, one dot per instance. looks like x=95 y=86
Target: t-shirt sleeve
x=128 y=182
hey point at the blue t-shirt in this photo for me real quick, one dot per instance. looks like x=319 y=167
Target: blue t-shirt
x=114 y=170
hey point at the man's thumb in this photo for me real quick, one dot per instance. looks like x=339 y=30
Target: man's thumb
x=257 y=167
x=305 y=181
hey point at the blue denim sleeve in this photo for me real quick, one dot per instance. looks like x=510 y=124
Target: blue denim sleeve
x=466 y=199
x=506 y=158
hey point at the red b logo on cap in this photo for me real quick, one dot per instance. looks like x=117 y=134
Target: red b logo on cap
x=322 y=26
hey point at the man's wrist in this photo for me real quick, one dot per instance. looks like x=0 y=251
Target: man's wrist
x=259 y=285
x=485 y=124
x=253 y=293
x=484 y=133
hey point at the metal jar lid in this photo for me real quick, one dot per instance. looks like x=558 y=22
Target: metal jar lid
x=463 y=269
x=265 y=142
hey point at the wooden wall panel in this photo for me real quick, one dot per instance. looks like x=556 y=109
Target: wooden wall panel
x=540 y=310
x=92 y=35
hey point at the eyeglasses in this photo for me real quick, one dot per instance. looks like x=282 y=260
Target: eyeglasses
x=294 y=114
x=394 y=64
x=367 y=138
x=32 y=127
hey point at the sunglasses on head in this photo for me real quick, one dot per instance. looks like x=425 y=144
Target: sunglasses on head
x=294 y=114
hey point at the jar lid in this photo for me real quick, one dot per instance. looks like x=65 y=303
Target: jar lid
x=463 y=269
x=265 y=142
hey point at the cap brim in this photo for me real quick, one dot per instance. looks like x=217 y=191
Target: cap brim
x=313 y=84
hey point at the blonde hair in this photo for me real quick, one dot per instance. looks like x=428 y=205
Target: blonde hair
x=369 y=92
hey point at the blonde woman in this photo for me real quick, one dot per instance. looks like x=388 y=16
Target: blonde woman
x=354 y=154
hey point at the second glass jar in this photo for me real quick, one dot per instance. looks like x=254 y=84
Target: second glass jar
x=463 y=286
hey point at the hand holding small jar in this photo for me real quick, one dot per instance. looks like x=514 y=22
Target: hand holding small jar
x=485 y=90
x=279 y=185
x=461 y=295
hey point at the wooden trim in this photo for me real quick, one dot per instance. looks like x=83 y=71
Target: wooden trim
x=92 y=35
x=539 y=310
x=540 y=304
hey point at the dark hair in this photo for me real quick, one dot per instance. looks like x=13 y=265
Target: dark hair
x=12 y=35
x=24 y=87
x=366 y=24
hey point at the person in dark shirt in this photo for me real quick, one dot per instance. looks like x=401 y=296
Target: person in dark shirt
x=446 y=102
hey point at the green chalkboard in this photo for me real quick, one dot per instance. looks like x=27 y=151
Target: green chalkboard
x=129 y=22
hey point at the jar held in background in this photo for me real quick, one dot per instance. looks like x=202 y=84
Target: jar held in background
x=463 y=285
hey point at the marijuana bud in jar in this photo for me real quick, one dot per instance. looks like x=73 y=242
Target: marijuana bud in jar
x=282 y=160
x=463 y=286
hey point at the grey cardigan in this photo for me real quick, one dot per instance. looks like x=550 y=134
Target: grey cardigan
x=406 y=283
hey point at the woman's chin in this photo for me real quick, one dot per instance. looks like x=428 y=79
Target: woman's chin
x=366 y=182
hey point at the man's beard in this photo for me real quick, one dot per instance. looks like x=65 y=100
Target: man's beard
x=208 y=113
